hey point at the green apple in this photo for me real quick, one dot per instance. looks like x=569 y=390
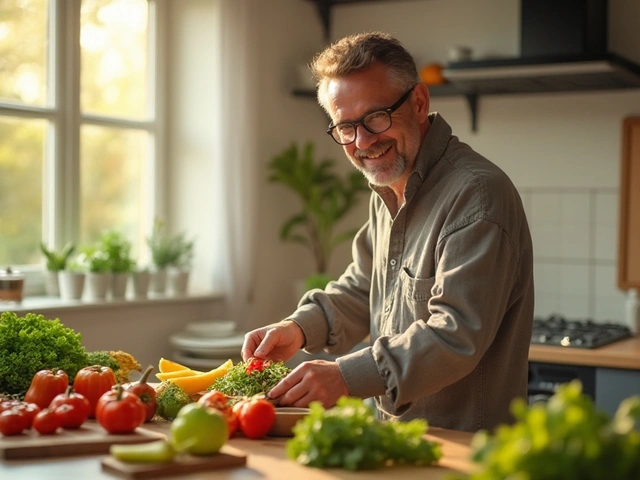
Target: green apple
x=199 y=430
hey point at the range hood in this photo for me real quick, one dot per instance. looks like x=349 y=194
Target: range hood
x=563 y=48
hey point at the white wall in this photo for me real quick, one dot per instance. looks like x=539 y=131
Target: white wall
x=561 y=150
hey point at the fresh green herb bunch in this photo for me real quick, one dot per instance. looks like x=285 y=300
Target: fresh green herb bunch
x=29 y=344
x=238 y=383
x=349 y=436
x=118 y=251
x=57 y=261
x=566 y=438
x=169 y=250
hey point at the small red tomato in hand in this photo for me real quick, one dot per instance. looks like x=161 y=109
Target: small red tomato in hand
x=47 y=422
x=119 y=411
x=92 y=382
x=13 y=422
x=256 y=417
x=146 y=393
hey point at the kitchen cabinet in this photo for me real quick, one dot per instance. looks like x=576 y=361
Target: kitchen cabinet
x=629 y=234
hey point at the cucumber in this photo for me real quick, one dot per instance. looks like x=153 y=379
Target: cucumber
x=159 y=451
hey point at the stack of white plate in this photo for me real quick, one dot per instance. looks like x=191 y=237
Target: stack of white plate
x=206 y=345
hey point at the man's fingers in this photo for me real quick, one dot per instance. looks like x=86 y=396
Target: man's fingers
x=284 y=385
x=269 y=341
x=251 y=341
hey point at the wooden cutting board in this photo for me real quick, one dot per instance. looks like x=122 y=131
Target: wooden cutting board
x=88 y=439
x=227 y=457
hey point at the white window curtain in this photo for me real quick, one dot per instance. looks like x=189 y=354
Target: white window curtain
x=235 y=158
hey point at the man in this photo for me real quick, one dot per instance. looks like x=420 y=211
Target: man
x=442 y=272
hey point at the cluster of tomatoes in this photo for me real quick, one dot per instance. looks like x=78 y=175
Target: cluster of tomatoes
x=254 y=417
x=51 y=403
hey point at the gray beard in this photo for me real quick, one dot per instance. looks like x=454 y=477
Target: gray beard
x=384 y=176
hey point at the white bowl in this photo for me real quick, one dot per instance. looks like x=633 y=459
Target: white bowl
x=286 y=418
x=212 y=329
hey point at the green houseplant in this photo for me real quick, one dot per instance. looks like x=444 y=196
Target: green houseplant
x=169 y=251
x=121 y=264
x=55 y=262
x=325 y=198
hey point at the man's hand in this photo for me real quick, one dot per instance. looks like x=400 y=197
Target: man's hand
x=278 y=342
x=317 y=380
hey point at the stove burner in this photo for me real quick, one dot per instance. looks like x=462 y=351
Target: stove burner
x=558 y=331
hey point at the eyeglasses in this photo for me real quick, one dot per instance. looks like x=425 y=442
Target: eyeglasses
x=375 y=122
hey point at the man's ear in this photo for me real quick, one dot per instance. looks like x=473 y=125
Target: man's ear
x=421 y=101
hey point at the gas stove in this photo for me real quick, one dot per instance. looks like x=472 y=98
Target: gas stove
x=558 y=331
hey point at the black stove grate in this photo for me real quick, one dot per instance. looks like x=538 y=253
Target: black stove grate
x=558 y=331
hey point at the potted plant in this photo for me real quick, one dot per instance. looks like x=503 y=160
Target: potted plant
x=168 y=251
x=140 y=280
x=324 y=197
x=56 y=261
x=121 y=264
x=71 y=280
x=95 y=263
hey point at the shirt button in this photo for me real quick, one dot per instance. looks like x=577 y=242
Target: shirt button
x=386 y=309
x=393 y=262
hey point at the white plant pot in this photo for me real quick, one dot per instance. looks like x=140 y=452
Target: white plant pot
x=71 y=284
x=178 y=281
x=97 y=285
x=141 y=282
x=51 y=285
x=119 y=285
x=158 y=281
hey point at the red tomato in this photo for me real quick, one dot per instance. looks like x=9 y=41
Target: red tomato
x=232 y=422
x=80 y=408
x=13 y=422
x=256 y=417
x=119 y=411
x=8 y=405
x=92 y=382
x=29 y=410
x=46 y=422
x=146 y=393
x=220 y=402
x=45 y=385
x=256 y=364
x=215 y=399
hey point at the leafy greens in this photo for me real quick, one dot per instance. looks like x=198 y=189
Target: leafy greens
x=29 y=344
x=349 y=436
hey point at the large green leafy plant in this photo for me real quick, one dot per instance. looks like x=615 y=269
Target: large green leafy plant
x=325 y=198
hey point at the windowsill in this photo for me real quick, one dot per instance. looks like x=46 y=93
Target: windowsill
x=32 y=303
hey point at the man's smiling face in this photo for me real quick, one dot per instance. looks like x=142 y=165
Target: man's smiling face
x=384 y=158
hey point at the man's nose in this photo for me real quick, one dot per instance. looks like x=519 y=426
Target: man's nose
x=364 y=138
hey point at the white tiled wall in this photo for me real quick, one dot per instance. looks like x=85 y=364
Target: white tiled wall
x=574 y=233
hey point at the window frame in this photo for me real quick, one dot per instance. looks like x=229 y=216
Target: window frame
x=61 y=156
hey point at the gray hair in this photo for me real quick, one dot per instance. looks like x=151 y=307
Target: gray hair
x=356 y=53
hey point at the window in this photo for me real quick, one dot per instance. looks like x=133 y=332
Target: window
x=79 y=123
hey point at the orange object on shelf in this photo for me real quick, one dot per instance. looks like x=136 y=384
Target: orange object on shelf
x=432 y=74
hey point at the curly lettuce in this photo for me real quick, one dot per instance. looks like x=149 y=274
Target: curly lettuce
x=31 y=343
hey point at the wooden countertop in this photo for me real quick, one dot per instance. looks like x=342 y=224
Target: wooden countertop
x=621 y=354
x=266 y=460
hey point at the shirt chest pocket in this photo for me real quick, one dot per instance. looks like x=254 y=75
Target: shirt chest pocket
x=414 y=288
x=413 y=302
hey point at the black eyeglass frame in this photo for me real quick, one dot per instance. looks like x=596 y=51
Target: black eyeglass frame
x=360 y=121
